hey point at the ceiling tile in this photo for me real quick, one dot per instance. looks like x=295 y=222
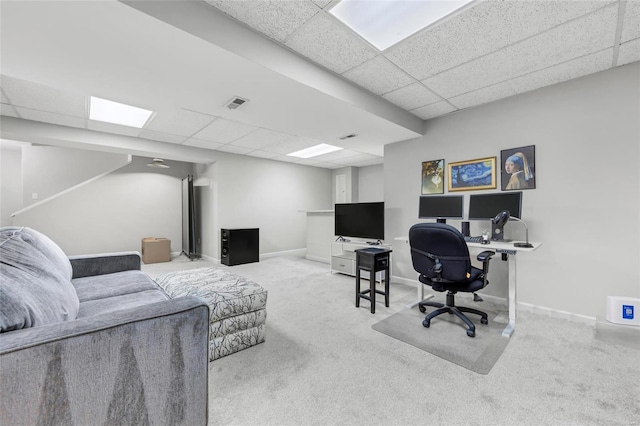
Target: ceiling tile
x=274 y=18
x=224 y=131
x=8 y=110
x=484 y=95
x=322 y=3
x=629 y=52
x=292 y=145
x=577 y=38
x=343 y=153
x=44 y=98
x=112 y=128
x=49 y=117
x=631 y=22
x=202 y=144
x=330 y=44
x=378 y=75
x=487 y=26
x=371 y=162
x=433 y=110
x=566 y=71
x=234 y=149
x=263 y=154
x=412 y=96
x=358 y=158
x=162 y=137
x=5 y=100
x=179 y=122
x=261 y=138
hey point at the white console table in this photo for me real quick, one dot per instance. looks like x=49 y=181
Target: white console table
x=343 y=257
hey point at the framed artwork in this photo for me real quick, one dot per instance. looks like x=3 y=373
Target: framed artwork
x=472 y=175
x=518 y=168
x=433 y=177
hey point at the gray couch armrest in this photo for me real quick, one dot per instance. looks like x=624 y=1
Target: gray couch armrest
x=105 y=263
x=143 y=365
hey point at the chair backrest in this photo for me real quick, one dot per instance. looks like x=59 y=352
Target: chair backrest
x=432 y=242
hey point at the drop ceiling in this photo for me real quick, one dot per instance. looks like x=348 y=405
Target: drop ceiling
x=308 y=78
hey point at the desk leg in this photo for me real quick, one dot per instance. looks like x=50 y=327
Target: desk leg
x=420 y=296
x=513 y=300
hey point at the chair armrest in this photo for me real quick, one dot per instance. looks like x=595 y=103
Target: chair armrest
x=146 y=364
x=485 y=255
x=104 y=263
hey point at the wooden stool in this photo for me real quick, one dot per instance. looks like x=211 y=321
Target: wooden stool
x=373 y=260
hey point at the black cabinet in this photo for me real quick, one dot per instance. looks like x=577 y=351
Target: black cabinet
x=239 y=246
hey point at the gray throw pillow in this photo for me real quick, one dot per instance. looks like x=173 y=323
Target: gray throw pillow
x=35 y=281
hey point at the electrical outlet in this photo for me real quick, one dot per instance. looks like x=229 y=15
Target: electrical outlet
x=34 y=195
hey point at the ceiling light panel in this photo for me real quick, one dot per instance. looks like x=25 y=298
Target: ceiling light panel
x=383 y=23
x=314 y=151
x=116 y=113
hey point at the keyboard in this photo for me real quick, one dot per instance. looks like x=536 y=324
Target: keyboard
x=473 y=239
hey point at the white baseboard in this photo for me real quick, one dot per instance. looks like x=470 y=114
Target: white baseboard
x=522 y=306
x=299 y=252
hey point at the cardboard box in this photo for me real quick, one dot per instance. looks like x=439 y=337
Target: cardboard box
x=155 y=250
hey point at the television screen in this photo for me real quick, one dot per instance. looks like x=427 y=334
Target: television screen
x=487 y=206
x=360 y=220
x=435 y=206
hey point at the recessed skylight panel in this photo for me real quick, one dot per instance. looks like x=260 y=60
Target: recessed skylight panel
x=383 y=23
x=315 y=150
x=117 y=113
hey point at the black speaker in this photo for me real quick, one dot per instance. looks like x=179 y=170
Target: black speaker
x=465 y=229
x=239 y=246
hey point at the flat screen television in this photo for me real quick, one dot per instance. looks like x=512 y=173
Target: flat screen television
x=440 y=206
x=487 y=206
x=360 y=220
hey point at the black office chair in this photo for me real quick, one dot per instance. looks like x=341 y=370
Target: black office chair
x=440 y=255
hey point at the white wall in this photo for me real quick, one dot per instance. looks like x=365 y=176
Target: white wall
x=48 y=170
x=371 y=183
x=115 y=212
x=10 y=180
x=586 y=206
x=251 y=192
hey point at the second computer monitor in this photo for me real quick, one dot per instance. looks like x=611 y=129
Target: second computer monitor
x=487 y=206
x=440 y=207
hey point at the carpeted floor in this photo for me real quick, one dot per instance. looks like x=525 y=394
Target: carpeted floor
x=323 y=364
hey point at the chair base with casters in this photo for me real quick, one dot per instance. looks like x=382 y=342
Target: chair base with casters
x=450 y=307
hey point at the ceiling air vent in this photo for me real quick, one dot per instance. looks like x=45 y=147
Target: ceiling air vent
x=352 y=135
x=236 y=102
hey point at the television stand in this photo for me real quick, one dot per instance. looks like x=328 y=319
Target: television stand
x=343 y=257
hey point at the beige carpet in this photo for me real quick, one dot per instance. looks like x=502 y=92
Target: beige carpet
x=447 y=337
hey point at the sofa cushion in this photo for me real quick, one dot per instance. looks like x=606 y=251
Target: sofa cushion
x=118 y=303
x=109 y=285
x=35 y=281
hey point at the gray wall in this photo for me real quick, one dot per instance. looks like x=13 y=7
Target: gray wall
x=115 y=212
x=586 y=206
x=10 y=180
x=370 y=183
x=47 y=170
x=250 y=192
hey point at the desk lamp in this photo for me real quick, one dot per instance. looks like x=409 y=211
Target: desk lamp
x=526 y=244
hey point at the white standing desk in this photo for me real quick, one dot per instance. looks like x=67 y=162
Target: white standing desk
x=499 y=247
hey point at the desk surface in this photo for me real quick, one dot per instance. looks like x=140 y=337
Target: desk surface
x=493 y=245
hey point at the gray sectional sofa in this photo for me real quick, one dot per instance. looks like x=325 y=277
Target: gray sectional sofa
x=93 y=340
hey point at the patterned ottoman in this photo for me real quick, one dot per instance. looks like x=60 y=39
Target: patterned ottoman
x=237 y=306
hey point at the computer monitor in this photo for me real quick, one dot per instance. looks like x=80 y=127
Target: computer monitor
x=487 y=206
x=440 y=207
